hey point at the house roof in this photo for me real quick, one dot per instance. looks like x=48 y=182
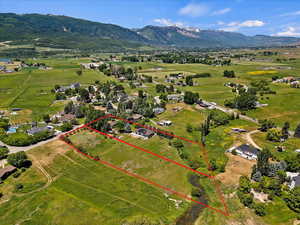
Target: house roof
x=36 y=130
x=297 y=180
x=6 y=170
x=248 y=149
x=145 y=132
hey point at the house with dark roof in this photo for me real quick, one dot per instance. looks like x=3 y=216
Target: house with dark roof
x=158 y=110
x=5 y=172
x=247 y=151
x=35 y=130
x=145 y=133
x=135 y=117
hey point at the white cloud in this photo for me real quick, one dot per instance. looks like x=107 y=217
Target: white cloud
x=235 y=26
x=167 y=22
x=220 y=23
x=252 y=23
x=289 y=32
x=296 y=13
x=221 y=11
x=194 y=10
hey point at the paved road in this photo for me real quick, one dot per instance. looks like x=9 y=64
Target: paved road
x=15 y=149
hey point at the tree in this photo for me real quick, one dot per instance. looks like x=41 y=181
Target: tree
x=274 y=134
x=79 y=72
x=245 y=101
x=3 y=152
x=265 y=125
x=244 y=184
x=263 y=162
x=229 y=74
x=66 y=126
x=4 y=124
x=293 y=199
x=297 y=131
x=189 y=128
x=46 y=118
x=189 y=80
x=84 y=95
x=69 y=108
x=285 y=130
x=18 y=159
x=213 y=165
x=259 y=209
x=178 y=144
x=190 y=97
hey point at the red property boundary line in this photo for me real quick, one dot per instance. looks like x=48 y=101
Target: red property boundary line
x=217 y=186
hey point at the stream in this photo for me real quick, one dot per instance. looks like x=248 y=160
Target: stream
x=192 y=213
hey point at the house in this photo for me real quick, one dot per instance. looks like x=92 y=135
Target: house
x=295 y=84
x=36 y=130
x=66 y=118
x=5 y=172
x=16 y=109
x=158 y=110
x=288 y=79
x=135 y=117
x=259 y=105
x=127 y=128
x=177 y=108
x=90 y=65
x=238 y=130
x=71 y=86
x=145 y=133
x=157 y=100
x=75 y=86
x=294 y=179
x=247 y=151
x=175 y=98
x=165 y=123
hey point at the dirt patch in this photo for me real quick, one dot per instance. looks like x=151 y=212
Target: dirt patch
x=236 y=167
x=181 y=105
x=47 y=153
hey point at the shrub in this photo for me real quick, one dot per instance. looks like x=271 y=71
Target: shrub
x=259 y=209
x=18 y=187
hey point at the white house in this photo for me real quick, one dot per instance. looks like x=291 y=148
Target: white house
x=247 y=151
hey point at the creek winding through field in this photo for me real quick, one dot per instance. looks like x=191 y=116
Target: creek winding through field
x=192 y=213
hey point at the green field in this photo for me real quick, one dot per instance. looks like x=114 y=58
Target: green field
x=84 y=191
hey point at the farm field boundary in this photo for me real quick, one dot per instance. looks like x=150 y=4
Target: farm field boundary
x=141 y=178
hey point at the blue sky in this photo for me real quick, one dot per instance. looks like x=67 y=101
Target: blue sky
x=272 y=17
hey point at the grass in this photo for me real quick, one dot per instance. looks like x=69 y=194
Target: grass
x=87 y=192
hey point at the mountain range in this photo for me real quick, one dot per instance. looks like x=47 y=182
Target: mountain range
x=72 y=33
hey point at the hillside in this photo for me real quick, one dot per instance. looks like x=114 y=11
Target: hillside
x=65 y=32
x=71 y=33
x=209 y=38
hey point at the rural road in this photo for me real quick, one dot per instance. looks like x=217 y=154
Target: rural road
x=247 y=136
x=230 y=111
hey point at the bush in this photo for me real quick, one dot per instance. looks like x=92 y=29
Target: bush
x=66 y=127
x=274 y=134
x=259 y=209
x=3 y=152
x=18 y=187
